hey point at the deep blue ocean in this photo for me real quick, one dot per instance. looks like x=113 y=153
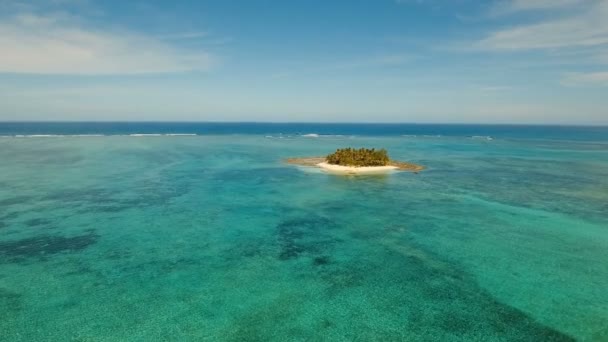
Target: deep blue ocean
x=590 y=133
x=202 y=232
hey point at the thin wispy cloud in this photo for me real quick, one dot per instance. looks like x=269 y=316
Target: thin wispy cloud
x=60 y=44
x=516 y=6
x=586 y=79
x=584 y=28
x=601 y=56
x=184 y=35
x=387 y=60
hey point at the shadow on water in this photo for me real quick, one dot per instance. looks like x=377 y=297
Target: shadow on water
x=43 y=246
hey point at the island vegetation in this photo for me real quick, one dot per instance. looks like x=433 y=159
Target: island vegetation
x=359 y=157
x=356 y=161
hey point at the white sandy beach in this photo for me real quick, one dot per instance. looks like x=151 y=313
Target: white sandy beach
x=350 y=170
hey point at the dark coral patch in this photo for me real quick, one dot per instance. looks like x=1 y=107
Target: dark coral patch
x=10 y=216
x=247 y=249
x=320 y=261
x=37 y=222
x=140 y=195
x=94 y=195
x=15 y=200
x=303 y=236
x=40 y=247
x=108 y=208
x=9 y=301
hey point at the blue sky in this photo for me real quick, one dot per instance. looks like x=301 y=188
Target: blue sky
x=457 y=61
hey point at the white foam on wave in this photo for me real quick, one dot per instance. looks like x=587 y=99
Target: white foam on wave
x=39 y=136
x=279 y=136
x=162 y=135
x=96 y=135
x=482 y=137
x=315 y=135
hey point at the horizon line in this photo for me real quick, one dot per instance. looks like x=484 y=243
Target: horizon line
x=302 y=123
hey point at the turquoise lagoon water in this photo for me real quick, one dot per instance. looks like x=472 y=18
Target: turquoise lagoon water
x=213 y=237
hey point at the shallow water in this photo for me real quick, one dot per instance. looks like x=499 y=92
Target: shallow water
x=214 y=238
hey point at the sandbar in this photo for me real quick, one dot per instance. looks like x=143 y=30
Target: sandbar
x=356 y=170
x=322 y=163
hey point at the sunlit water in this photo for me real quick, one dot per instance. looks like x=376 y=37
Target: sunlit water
x=213 y=237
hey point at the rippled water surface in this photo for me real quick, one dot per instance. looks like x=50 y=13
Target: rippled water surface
x=213 y=237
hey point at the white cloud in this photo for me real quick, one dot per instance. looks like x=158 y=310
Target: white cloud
x=514 y=6
x=601 y=56
x=582 y=29
x=184 y=35
x=58 y=44
x=582 y=79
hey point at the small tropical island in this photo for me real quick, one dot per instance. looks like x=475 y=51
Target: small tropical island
x=351 y=161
